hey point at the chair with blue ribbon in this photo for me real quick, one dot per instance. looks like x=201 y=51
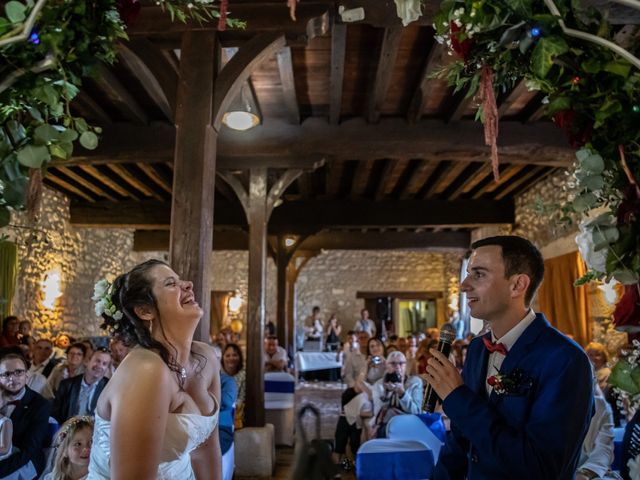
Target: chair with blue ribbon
x=279 y=405
x=388 y=459
x=412 y=427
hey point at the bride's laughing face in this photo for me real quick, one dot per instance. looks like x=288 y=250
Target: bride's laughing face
x=174 y=297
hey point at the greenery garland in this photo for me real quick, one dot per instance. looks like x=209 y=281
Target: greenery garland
x=591 y=91
x=41 y=75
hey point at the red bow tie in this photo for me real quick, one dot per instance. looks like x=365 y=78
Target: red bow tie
x=494 y=347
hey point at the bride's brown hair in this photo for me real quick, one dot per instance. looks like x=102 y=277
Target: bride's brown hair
x=135 y=289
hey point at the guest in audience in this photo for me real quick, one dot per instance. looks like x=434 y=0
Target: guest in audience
x=395 y=394
x=393 y=341
x=275 y=357
x=9 y=337
x=79 y=395
x=596 y=454
x=72 y=366
x=365 y=324
x=433 y=333
x=228 y=394
x=403 y=345
x=423 y=354
x=522 y=407
x=61 y=343
x=233 y=365
x=29 y=414
x=269 y=326
x=24 y=333
x=599 y=358
x=333 y=333
x=118 y=351
x=39 y=383
x=72 y=450
x=89 y=352
x=456 y=352
x=362 y=370
x=313 y=325
x=44 y=359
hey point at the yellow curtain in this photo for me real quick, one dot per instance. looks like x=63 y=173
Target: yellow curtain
x=8 y=272
x=566 y=306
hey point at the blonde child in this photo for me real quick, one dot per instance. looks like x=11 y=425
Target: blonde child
x=73 y=448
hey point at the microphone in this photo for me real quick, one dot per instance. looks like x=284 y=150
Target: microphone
x=447 y=336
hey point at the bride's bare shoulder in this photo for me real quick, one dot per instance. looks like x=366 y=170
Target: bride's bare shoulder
x=142 y=361
x=204 y=349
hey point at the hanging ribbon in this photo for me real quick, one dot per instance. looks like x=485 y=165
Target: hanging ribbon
x=222 y=21
x=490 y=116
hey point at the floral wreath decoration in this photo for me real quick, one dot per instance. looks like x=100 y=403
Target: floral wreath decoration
x=64 y=431
x=104 y=306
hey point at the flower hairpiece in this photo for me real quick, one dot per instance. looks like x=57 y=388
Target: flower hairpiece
x=66 y=428
x=104 y=303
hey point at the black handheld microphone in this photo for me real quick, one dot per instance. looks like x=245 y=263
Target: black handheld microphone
x=447 y=336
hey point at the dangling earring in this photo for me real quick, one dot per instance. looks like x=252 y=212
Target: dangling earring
x=150 y=326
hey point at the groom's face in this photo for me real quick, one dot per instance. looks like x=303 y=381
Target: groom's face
x=486 y=286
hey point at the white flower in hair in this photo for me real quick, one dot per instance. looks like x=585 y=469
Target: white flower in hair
x=100 y=307
x=100 y=289
x=117 y=315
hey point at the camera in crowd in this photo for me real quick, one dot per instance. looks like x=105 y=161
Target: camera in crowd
x=393 y=377
x=377 y=360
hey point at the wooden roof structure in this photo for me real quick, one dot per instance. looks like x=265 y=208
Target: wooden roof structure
x=387 y=155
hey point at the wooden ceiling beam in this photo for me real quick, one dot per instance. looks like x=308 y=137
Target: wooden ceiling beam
x=460 y=103
x=334 y=176
x=133 y=181
x=361 y=179
x=420 y=95
x=69 y=187
x=295 y=217
x=418 y=179
x=338 y=51
x=158 y=240
x=384 y=72
x=154 y=71
x=106 y=180
x=285 y=67
x=90 y=109
x=520 y=182
x=505 y=103
x=390 y=174
x=95 y=188
x=155 y=176
x=468 y=176
x=119 y=95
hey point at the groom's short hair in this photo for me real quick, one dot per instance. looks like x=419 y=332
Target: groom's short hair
x=519 y=256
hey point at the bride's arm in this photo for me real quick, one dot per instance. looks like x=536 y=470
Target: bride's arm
x=140 y=402
x=207 y=458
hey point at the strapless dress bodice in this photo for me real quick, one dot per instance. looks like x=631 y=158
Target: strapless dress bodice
x=184 y=433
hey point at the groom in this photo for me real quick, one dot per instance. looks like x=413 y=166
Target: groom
x=524 y=402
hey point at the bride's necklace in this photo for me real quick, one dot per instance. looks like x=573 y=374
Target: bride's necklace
x=183 y=373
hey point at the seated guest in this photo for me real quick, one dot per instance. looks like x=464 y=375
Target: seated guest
x=38 y=383
x=403 y=345
x=362 y=370
x=228 y=394
x=395 y=394
x=73 y=448
x=29 y=414
x=24 y=333
x=275 y=357
x=393 y=341
x=599 y=358
x=118 y=351
x=9 y=337
x=79 y=395
x=365 y=324
x=596 y=454
x=72 y=366
x=269 y=326
x=44 y=359
x=61 y=343
x=233 y=365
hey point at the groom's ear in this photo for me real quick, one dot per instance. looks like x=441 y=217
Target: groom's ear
x=520 y=284
x=144 y=312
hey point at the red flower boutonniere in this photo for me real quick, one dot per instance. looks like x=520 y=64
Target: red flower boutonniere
x=514 y=383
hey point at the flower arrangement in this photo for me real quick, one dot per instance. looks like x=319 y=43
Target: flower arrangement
x=589 y=72
x=104 y=303
x=46 y=49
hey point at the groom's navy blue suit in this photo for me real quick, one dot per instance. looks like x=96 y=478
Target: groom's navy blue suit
x=535 y=433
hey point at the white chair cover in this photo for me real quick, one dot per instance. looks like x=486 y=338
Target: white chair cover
x=410 y=427
x=279 y=404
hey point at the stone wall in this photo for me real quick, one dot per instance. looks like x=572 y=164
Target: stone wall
x=332 y=279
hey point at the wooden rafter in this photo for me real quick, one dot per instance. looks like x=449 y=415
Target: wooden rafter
x=418 y=179
x=338 y=50
x=521 y=181
x=361 y=179
x=151 y=172
x=455 y=170
x=390 y=175
x=69 y=187
x=463 y=180
x=89 y=108
x=420 y=95
x=93 y=187
x=102 y=178
x=134 y=181
x=285 y=67
x=504 y=104
x=120 y=96
x=384 y=72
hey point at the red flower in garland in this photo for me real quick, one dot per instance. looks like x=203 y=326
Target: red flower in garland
x=626 y=316
x=463 y=47
x=129 y=11
x=577 y=128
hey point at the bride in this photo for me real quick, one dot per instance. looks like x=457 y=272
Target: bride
x=157 y=417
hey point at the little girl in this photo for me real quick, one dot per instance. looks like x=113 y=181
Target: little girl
x=73 y=448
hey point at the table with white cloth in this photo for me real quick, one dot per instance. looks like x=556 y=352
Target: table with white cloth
x=317 y=361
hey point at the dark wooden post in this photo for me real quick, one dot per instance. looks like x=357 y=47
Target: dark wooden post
x=282 y=262
x=195 y=160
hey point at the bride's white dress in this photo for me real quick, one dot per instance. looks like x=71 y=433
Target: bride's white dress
x=185 y=432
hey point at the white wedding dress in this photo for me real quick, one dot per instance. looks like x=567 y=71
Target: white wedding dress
x=185 y=432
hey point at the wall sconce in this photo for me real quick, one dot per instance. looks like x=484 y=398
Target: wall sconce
x=51 y=288
x=234 y=304
x=243 y=111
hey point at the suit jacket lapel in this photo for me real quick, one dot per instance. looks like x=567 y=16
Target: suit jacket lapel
x=523 y=344
x=477 y=373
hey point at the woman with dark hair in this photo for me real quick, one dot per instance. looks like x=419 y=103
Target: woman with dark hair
x=233 y=365
x=157 y=417
x=10 y=327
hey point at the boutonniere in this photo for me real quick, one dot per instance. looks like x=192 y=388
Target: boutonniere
x=514 y=383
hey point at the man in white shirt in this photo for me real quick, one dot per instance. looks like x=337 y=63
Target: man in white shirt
x=365 y=324
x=275 y=357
